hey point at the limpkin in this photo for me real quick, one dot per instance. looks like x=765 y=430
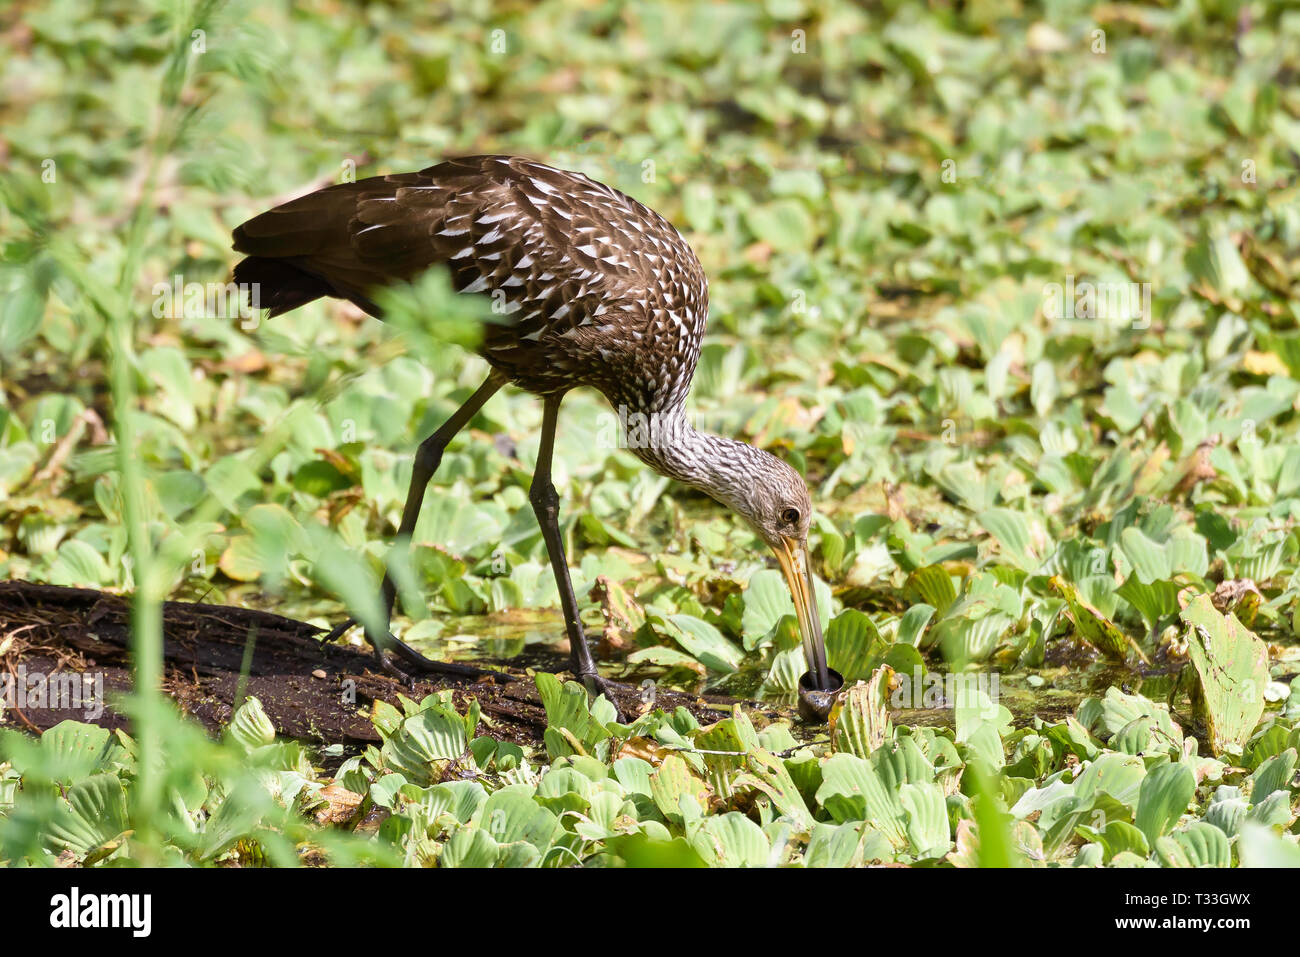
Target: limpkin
x=597 y=290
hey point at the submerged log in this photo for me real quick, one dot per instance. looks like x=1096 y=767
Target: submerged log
x=311 y=691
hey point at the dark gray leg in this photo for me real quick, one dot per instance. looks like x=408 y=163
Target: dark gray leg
x=546 y=505
x=427 y=459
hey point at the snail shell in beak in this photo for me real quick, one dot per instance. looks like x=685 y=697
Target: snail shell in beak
x=814 y=704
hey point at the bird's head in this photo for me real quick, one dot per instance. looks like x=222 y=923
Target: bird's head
x=774 y=499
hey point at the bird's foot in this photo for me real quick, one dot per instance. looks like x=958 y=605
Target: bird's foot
x=393 y=671
x=338 y=630
x=597 y=686
x=386 y=665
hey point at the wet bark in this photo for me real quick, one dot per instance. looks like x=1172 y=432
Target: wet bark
x=311 y=691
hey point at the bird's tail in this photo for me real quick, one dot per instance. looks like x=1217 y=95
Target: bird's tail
x=277 y=285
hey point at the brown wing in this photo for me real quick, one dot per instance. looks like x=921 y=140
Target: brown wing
x=354 y=237
x=503 y=225
x=583 y=272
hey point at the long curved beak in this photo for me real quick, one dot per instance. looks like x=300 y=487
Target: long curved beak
x=793 y=556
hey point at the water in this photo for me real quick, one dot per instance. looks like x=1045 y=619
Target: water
x=527 y=638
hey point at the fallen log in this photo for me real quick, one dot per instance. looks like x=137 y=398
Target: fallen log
x=311 y=691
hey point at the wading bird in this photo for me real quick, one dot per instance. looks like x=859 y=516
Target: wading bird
x=597 y=290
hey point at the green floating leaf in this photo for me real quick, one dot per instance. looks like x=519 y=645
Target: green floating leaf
x=860 y=722
x=769 y=774
x=704 y=642
x=94 y=815
x=927 y=819
x=767 y=601
x=563 y=789
x=853 y=645
x=385 y=790
x=855 y=648
x=461 y=800
x=852 y=790
x=1136 y=724
x=1272 y=811
x=1273 y=775
x=931 y=585
x=1196 y=845
x=1094 y=627
x=735 y=760
x=679 y=794
x=511 y=815
x=731 y=840
x=250 y=727
x=571 y=726
x=1227 y=809
x=424 y=743
x=1013 y=531
x=981 y=722
x=1117 y=837
x=642 y=850
x=67 y=752
x=1163 y=798
x=1258 y=846
x=1216 y=261
x=238 y=817
x=834 y=845
x=469 y=847
x=1118 y=776
x=21 y=313
x=1231 y=668
x=784 y=224
x=911 y=627
x=320 y=479
x=1154 y=601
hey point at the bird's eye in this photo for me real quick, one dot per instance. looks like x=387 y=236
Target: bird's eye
x=790 y=516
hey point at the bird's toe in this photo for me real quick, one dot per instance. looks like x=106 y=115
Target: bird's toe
x=597 y=685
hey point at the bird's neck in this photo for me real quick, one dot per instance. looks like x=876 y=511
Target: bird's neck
x=666 y=440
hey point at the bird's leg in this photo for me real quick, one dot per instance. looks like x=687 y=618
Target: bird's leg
x=546 y=505
x=427 y=459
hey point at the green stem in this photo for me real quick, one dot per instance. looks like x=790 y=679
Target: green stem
x=146 y=605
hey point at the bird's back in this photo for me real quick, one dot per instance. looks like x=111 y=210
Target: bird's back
x=593 y=287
